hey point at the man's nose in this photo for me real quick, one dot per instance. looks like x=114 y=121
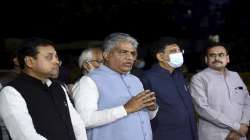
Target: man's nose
x=217 y=57
x=56 y=61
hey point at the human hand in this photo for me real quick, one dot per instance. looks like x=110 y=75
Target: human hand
x=243 y=130
x=152 y=103
x=144 y=99
x=233 y=136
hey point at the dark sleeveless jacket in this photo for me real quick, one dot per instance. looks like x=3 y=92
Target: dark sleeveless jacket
x=47 y=106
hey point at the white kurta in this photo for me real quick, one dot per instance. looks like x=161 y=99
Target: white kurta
x=222 y=102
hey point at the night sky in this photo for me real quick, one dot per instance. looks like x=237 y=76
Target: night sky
x=65 y=21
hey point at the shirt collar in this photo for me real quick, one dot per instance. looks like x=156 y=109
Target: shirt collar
x=48 y=82
x=109 y=70
x=217 y=72
x=162 y=70
x=35 y=81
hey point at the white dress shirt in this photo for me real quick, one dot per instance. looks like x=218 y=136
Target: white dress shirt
x=86 y=96
x=15 y=114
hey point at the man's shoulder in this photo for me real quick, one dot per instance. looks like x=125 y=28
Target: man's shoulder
x=58 y=82
x=147 y=75
x=15 y=82
x=151 y=72
x=234 y=75
x=84 y=80
x=200 y=74
x=10 y=76
x=96 y=73
x=232 y=72
x=133 y=77
x=8 y=91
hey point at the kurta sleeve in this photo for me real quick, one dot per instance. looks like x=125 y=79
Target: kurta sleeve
x=77 y=123
x=152 y=114
x=246 y=106
x=198 y=93
x=246 y=109
x=147 y=86
x=85 y=96
x=16 y=117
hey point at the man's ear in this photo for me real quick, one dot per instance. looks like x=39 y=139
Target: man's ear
x=228 y=58
x=15 y=61
x=29 y=61
x=205 y=59
x=159 y=57
x=106 y=55
x=84 y=65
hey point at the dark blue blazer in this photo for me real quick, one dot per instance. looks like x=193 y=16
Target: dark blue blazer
x=175 y=118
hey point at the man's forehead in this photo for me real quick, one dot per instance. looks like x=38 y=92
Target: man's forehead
x=96 y=51
x=97 y=55
x=46 y=49
x=125 y=46
x=217 y=49
x=172 y=47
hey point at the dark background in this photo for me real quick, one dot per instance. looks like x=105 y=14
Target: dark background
x=192 y=21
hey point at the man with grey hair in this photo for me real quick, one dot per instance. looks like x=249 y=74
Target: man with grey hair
x=110 y=100
x=90 y=59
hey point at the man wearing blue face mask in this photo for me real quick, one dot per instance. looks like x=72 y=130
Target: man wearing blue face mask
x=175 y=119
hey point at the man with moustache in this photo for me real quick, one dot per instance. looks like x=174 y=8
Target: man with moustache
x=32 y=106
x=111 y=101
x=221 y=98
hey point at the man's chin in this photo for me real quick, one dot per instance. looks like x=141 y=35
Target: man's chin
x=218 y=68
x=54 y=76
x=125 y=69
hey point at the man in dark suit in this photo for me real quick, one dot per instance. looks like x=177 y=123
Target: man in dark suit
x=175 y=119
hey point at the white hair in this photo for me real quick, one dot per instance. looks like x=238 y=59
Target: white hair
x=114 y=39
x=85 y=56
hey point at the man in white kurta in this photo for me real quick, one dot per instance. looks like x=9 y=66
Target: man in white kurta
x=221 y=99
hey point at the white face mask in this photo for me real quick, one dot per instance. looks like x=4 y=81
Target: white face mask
x=87 y=68
x=90 y=70
x=140 y=65
x=176 y=60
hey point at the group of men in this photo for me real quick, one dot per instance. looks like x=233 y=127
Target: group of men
x=112 y=104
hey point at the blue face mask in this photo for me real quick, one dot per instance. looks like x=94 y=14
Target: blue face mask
x=140 y=65
x=176 y=60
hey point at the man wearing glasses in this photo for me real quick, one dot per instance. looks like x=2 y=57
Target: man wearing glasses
x=175 y=119
x=90 y=59
x=35 y=107
x=221 y=98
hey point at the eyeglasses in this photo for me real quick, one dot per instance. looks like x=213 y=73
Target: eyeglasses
x=97 y=61
x=214 y=55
